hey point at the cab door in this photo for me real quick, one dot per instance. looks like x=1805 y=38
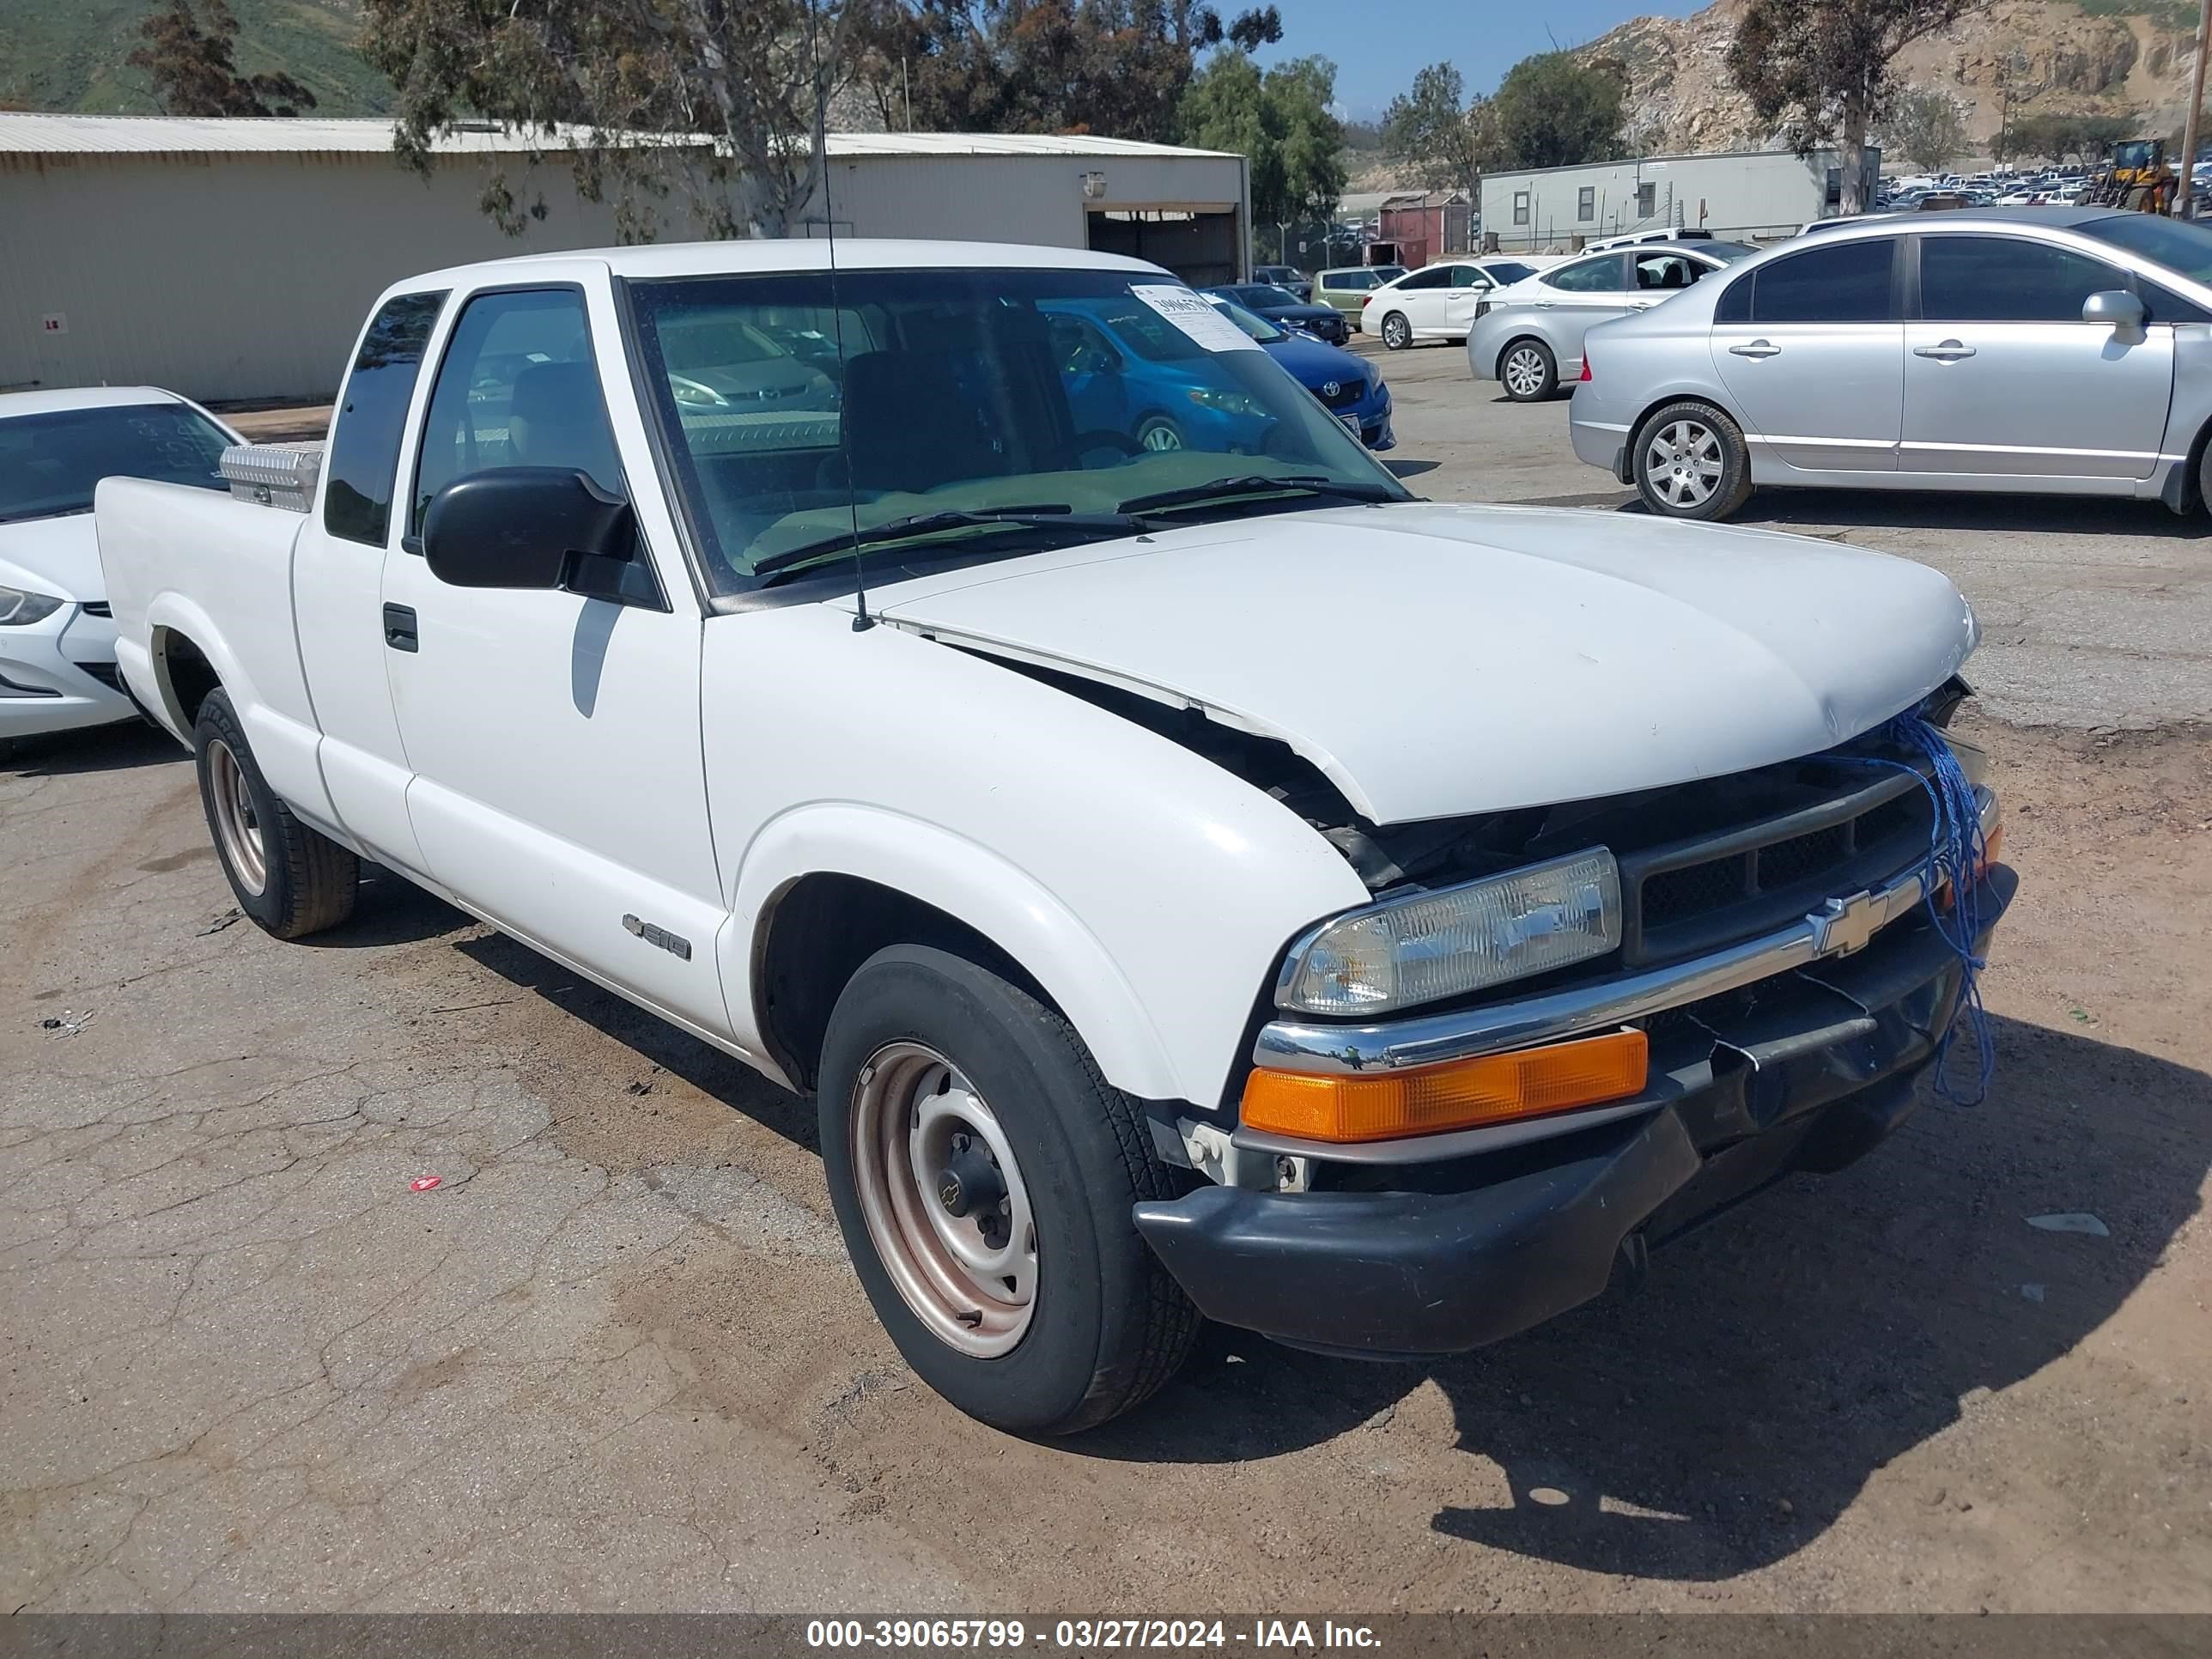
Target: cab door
x=338 y=582
x=559 y=782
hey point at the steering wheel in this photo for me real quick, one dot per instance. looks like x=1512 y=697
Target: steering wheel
x=1104 y=438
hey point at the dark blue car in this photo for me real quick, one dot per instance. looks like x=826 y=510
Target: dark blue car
x=1350 y=388
x=1279 y=305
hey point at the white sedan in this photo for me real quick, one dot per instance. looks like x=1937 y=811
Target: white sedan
x=1439 y=301
x=57 y=644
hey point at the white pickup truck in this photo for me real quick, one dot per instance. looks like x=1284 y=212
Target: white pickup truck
x=1196 y=876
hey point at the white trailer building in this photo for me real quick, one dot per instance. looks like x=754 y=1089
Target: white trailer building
x=1736 y=193
x=234 y=259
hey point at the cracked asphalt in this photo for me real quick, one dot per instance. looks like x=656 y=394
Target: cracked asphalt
x=613 y=1359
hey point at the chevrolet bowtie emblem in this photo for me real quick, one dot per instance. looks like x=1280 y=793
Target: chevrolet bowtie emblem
x=1845 y=925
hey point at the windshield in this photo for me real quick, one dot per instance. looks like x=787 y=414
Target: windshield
x=49 y=463
x=1504 y=272
x=1728 y=252
x=1258 y=327
x=2183 y=248
x=1388 y=273
x=1262 y=293
x=976 y=414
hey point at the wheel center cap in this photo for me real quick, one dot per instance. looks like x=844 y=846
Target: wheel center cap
x=970 y=1183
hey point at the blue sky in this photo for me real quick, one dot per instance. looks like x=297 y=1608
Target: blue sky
x=1377 y=45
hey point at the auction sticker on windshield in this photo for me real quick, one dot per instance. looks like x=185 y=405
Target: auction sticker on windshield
x=1195 y=316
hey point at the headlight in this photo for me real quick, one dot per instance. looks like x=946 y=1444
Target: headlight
x=1457 y=940
x=1229 y=402
x=18 y=608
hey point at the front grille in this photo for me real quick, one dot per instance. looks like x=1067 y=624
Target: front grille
x=1711 y=891
x=1348 y=392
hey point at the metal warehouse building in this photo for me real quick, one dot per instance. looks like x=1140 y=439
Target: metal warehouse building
x=234 y=259
x=1739 y=193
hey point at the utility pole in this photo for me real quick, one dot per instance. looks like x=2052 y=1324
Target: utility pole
x=2185 y=191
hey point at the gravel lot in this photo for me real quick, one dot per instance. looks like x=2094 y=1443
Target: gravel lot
x=615 y=1359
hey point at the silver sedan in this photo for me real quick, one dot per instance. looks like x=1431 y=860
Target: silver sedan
x=2054 y=350
x=1529 y=336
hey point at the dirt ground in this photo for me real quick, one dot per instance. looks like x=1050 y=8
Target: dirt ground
x=616 y=1358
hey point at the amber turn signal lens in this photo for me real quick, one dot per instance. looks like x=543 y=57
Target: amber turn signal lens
x=1462 y=1094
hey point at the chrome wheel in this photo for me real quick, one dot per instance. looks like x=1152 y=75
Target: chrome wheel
x=944 y=1200
x=237 y=827
x=1159 y=434
x=1683 y=463
x=1524 y=371
x=1397 y=333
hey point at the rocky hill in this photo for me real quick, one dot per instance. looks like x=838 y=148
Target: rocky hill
x=2101 y=56
x=70 y=54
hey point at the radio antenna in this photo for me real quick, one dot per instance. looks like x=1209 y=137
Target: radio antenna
x=861 y=621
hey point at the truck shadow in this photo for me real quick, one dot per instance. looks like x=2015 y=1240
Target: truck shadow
x=113 y=748
x=1723 y=1415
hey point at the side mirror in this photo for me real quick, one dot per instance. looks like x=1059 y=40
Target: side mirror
x=2122 y=311
x=541 y=527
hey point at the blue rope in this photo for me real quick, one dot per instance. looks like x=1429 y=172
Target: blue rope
x=1955 y=853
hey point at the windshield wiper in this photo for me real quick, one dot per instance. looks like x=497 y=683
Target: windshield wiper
x=1256 y=483
x=1046 y=516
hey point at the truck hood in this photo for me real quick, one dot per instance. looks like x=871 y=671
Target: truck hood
x=1435 y=660
x=59 y=556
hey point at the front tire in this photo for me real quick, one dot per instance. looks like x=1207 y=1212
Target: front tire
x=1529 y=371
x=1690 y=462
x=1159 y=434
x=1397 y=332
x=291 y=880
x=984 y=1173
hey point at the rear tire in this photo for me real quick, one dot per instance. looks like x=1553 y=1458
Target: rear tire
x=1690 y=462
x=1046 y=1328
x=291 y=880
x=1397 y=332
x=1528 y=370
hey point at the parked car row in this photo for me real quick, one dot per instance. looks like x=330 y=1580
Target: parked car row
x=2051 y=350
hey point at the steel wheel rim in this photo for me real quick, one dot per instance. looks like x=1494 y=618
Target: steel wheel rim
x=1524 y=371
x=1159 y=435
x=971 y=1280
x=237 y=825
x=1684 y=464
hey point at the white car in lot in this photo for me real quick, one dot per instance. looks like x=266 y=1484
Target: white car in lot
x=56 y=643
x=1439 y=301
x=1156 y=940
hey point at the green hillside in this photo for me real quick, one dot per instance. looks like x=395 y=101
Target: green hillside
x=69 y=54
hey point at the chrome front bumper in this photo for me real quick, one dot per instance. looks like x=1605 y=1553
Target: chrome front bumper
x=1845 y=926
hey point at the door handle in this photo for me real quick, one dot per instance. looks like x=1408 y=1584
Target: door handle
x=1756 y=348
x=1546 y=305
x=1948 y=352
x=399 y=628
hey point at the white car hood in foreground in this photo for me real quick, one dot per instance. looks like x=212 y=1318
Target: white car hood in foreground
x=53 y=556
x=1436 y=661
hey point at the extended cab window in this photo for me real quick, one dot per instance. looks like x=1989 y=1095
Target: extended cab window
x=519 y=386
x=364 y=459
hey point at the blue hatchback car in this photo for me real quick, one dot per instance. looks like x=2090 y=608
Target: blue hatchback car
x=1350 y=388
x=1126 y=370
